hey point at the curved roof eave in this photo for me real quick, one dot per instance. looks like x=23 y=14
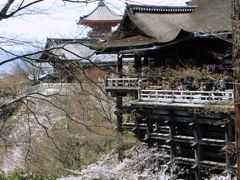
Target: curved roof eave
x=208 y=17
x=124 y=22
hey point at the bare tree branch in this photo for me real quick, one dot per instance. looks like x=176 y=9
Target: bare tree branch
x=6 y=13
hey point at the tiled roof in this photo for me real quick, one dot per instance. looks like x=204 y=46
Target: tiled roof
x=133 y=41
x=74 y=50
x=101 y=13
x=208 y=17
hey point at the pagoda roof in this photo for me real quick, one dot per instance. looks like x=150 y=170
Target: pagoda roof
x=101 y=14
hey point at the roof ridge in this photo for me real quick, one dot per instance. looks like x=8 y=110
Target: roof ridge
x=100 y=5
x=114 y=13
x=159 y=9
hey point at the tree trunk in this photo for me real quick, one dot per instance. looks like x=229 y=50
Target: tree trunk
x=236 y=70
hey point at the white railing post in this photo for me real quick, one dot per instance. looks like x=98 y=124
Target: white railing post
x=156 y=98
x=139 y=94
x=139 y=89
x=191 y=96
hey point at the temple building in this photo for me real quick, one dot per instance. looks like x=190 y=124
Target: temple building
x=68 y=57
x=178 y=104
x=101 y=20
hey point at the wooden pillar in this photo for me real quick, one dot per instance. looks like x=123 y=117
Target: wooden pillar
x=139 y=133
x=137 y=64
x=156 y=130
x=120 y=66
x=119 y=113
x=228 y=161
x=171 y=135
x=149 y=131
x=145 y=62
x=171 y=141
x=228 y=139
x=197 y=147
x=119 y=100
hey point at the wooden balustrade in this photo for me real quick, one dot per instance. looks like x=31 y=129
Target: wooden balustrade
x=167 y=96
x=190 y=97
x=121 y=82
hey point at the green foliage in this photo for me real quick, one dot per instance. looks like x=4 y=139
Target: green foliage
x=21 y=175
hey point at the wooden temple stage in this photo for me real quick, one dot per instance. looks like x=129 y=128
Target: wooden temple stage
x=194 y=128
x=185 y=124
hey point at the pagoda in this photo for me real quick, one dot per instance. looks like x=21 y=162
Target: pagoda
x=101 y=20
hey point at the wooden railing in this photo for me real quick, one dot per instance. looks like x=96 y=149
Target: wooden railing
x=168 y=96
x=191 y=97
x=122 y=82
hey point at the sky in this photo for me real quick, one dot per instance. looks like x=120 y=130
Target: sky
x=56 y=19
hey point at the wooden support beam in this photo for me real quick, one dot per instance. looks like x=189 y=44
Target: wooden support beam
x=138 y=130
x=228 y=139
x=119 y=99
x=197 y=146
x=150 y=141
x=171 y=142
x=137 y=63
x=145 y=62
x=120 y=66
x=228 y=161
x=171 y=135
x=119 y=114
x=156 y=130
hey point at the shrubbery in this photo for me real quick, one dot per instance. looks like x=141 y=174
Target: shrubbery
x=21 y=175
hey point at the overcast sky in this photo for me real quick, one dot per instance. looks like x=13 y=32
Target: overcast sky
x=58 y=20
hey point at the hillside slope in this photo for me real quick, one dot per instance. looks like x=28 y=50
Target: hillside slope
x=140 y=162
